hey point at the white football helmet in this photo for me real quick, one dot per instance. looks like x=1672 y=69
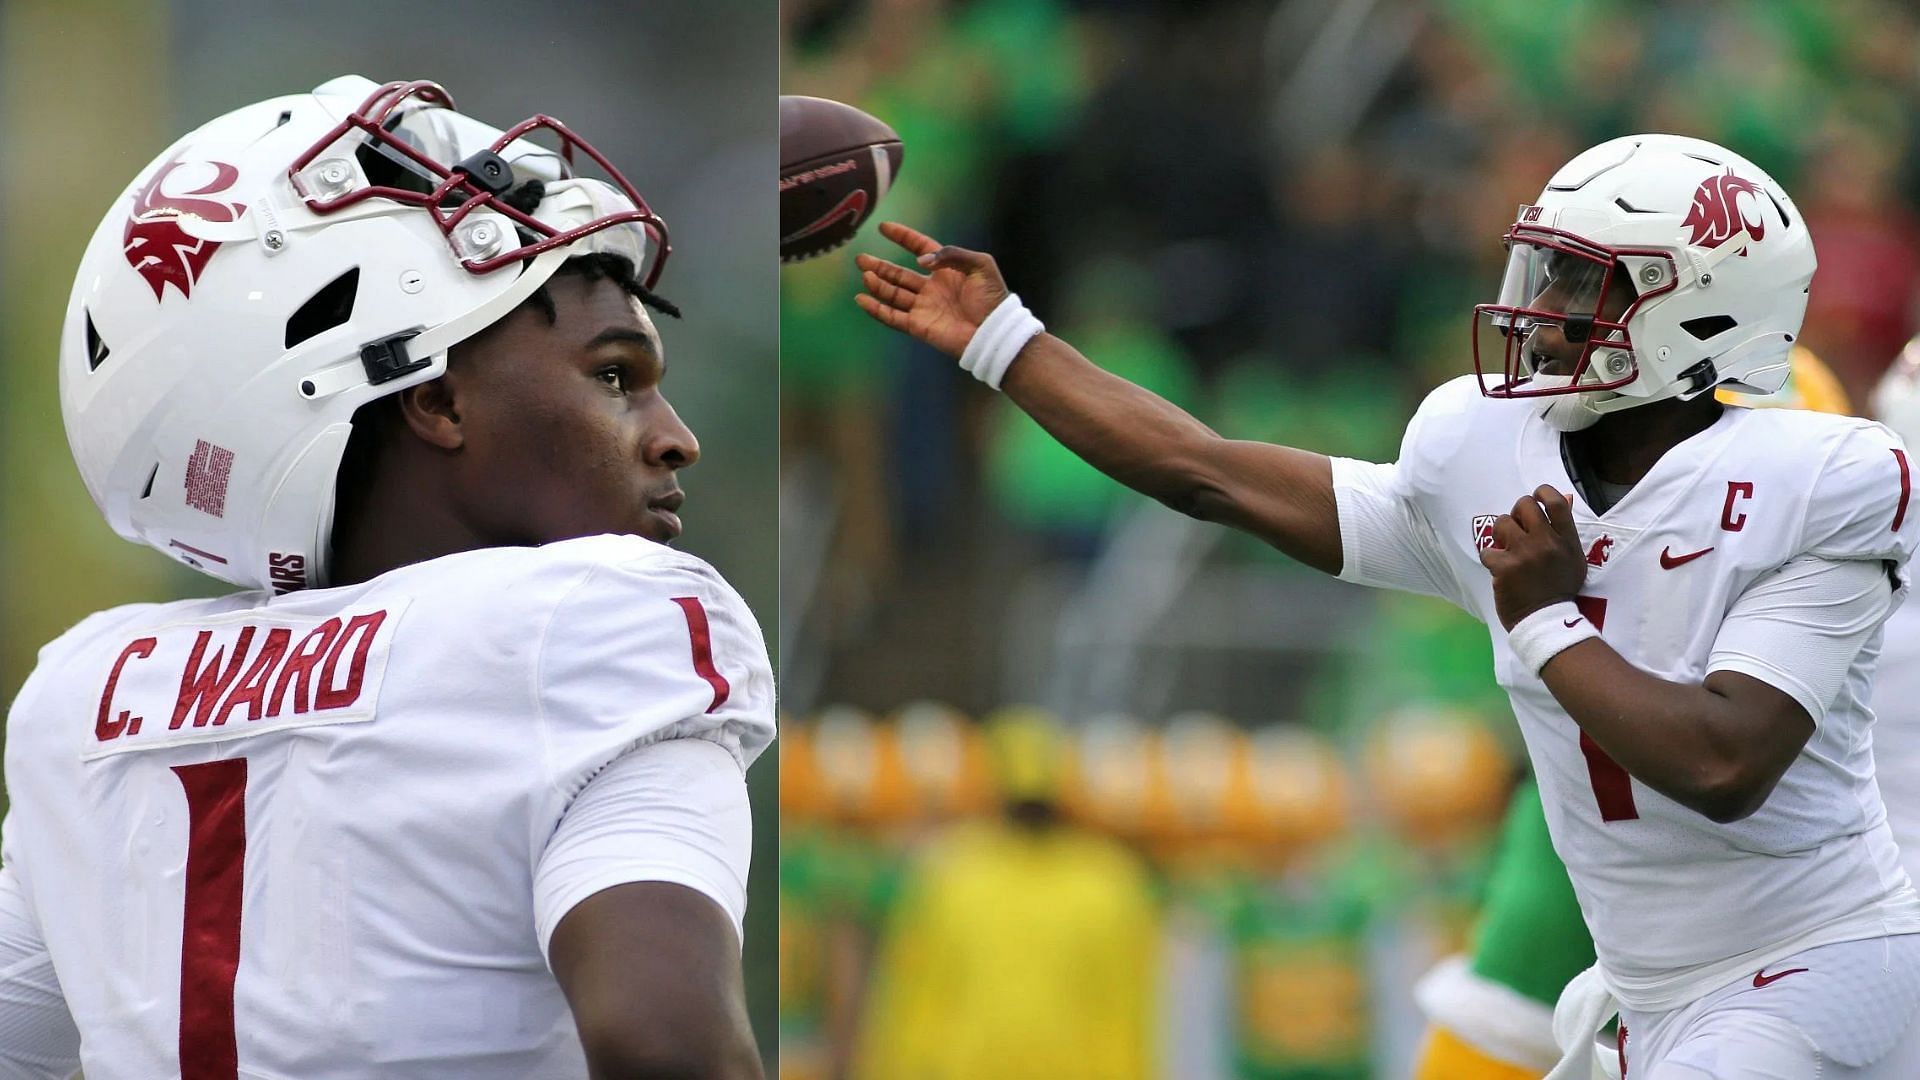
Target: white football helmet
x=1896 y=397
x=285 y=264
x=1714 y=258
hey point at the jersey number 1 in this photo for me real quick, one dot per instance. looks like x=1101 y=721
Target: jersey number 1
x=1612 y=788
x=210 y=937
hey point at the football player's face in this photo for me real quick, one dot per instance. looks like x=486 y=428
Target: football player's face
x=1572 y=288
x=568 y=430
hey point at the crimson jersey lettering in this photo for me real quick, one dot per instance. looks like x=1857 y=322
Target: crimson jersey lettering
x=1736 y=490
x=703 y=649
x=104 y=729
x=244 y=673
x=1612 y=787
x=1906 y=489
x=200 y=688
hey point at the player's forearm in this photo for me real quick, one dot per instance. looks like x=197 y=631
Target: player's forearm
x=1282 y=495
x=1685 y=741
x=1128 y=432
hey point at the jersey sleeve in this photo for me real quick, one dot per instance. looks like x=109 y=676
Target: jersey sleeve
x=647 y=649
x=38 y=1039
x=673 y=811
x=1386 y=538
x=1799 y=628
x=1861 y=504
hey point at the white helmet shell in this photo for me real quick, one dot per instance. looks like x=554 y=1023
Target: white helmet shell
x=1716 y=255
x=283 y=265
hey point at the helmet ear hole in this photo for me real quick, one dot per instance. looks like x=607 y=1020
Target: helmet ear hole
x=330 y=307
x=97 y=350
x=1709 y=326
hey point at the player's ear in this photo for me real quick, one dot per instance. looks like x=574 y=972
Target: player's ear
x=432 y=413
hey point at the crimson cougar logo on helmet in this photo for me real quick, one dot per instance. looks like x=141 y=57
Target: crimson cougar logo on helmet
x=157 y=248
x=1716 y=216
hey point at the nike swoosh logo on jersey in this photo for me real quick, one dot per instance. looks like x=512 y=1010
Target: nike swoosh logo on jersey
x=1570 y=623
x=1668 y=560
x=1761 y=978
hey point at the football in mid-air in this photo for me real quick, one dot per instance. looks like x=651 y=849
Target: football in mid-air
x=836 y=163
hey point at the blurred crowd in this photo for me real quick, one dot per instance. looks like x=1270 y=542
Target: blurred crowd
x=1118 y=900
x=1278 y=215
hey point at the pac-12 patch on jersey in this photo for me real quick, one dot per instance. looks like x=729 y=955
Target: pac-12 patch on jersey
x=241 y=674
x=1483 y=531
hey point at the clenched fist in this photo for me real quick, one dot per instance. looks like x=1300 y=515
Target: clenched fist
x=1535 y=559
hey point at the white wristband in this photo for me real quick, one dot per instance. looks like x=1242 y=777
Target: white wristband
x=1000 y=338
x=1548 y=632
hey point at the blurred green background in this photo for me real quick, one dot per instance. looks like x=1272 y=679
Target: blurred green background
x=680 y=94
x=1279 y=215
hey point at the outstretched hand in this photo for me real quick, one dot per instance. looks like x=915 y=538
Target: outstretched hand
x=942 y=307
x=1535 y=559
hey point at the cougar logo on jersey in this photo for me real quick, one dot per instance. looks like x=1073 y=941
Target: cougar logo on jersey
x=1483 y=531
x=1716 y=216
x=157 y=247
x=1600 y=552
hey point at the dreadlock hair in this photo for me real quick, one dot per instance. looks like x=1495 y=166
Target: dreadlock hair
x=372 y=420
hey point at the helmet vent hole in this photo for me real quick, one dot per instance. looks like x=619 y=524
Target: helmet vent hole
x=330 y=307
x=148 y=490
x=96 y=349
x=1630 y=208
x=1708 y=326
x=285 y=115
x=1784 y=219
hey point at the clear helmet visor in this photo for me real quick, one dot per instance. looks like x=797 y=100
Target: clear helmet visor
x=1558 y=324
x=1551 y=282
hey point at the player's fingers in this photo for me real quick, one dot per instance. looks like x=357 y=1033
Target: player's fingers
x=1559 y=511
x=912 y=239
x=1495 y=559
x=949 y=257
x=1507 y=531
x=891 y=295
x=1528 y=515
x=892 y=273
x=889 y=317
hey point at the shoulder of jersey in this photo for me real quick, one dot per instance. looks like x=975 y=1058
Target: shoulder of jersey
x=1859 y=499
x=1810 y=424
x=540 y=575
x=1801 y=438
x=1453 y=415
x=117 y=622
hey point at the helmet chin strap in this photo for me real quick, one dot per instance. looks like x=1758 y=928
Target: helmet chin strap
x=1567 y=412
x=1579 y=411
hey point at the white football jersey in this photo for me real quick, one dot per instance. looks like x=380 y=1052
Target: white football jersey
x=1667 y=892
x=298 y=836
x=1896 y=731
